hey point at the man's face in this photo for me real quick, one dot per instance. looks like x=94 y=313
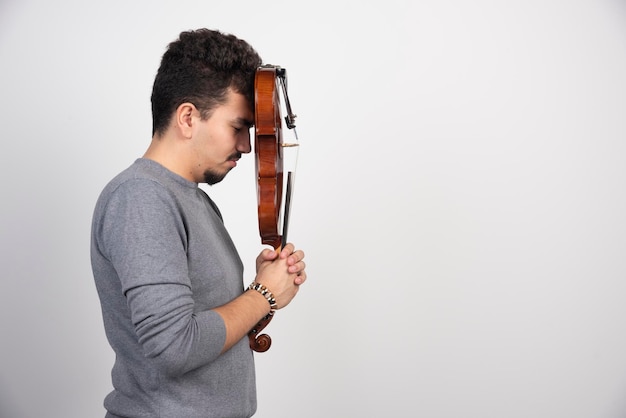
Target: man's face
x=220 y=140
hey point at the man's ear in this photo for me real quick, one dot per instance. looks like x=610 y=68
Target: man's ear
x=184 y=119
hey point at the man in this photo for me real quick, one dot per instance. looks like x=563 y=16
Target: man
x=167 y=273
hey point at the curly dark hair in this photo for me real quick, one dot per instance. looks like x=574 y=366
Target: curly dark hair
x=198 y=68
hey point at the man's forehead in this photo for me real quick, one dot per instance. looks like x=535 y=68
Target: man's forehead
x=238 y=105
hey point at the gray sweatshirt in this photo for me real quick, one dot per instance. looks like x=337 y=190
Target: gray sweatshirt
x=161 y=260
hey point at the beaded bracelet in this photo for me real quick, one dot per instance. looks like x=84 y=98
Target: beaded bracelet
x=266 y=293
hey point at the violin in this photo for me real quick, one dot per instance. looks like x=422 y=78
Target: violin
x=274 y=190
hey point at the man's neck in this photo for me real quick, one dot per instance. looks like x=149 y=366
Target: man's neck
x=170 y=152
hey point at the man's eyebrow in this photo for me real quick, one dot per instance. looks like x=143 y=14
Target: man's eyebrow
x=243 y=121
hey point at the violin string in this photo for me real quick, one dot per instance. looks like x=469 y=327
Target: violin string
x=290 y=178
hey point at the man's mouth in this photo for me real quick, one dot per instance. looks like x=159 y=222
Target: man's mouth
x=234 y=158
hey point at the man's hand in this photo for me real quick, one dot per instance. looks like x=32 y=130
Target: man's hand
x=281 y=272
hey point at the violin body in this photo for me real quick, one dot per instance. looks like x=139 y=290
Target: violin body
x=269 y=155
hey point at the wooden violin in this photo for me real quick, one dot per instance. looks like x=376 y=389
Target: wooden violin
x=273 y=204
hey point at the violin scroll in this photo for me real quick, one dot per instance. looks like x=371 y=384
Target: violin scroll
x=260 y=343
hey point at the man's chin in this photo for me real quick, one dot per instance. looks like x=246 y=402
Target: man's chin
x=212 y=178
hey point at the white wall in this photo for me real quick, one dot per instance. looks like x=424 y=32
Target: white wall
x=460 y=198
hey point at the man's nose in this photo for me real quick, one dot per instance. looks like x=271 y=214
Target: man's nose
x=244 y=145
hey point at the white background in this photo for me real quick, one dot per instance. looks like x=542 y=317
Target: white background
x=460 y=197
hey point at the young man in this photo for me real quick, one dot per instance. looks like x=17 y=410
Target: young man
x=169 y=278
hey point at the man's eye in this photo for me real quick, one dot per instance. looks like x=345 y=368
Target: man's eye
x=239 y=129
